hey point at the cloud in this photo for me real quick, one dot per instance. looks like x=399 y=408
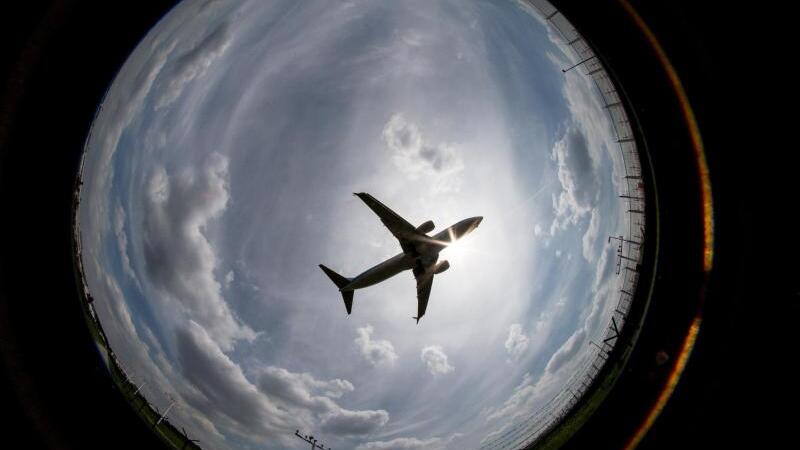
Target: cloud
x=521 y=402
x=516 y=343
x=276 y=403
x=377 y=352
x=436 y=360
x=229 y=277
x=344 y=422
x=403 y=444
x=225 y=394
x=179 y=258
x=579 y=183
x=119 y=109
x=300 y=390
x=414 y=156
x=590 y=237
x=194 y=63
x=122 y=242
x=567 y=351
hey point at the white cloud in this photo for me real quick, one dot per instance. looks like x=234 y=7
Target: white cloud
x=416 y=157
x=179 y=258
x=376 y=351
x=516 y=343
x=436 y=360
x=590 y=237
x=194 y=63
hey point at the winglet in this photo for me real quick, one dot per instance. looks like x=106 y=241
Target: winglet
x=417 y=319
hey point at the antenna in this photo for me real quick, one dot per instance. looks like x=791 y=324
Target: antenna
x=311 y=440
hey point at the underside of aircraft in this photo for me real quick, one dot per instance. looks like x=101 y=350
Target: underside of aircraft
x=420 y=254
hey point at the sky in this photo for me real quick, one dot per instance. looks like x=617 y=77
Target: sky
x=219 y=173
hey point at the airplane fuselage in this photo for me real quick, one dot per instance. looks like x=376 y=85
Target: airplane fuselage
x=427 y=253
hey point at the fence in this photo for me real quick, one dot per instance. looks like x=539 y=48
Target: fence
x=527 y=432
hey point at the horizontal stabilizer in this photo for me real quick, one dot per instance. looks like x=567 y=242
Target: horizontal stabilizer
x=337 y=279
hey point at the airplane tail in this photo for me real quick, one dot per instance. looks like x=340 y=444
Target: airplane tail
x=340 y=282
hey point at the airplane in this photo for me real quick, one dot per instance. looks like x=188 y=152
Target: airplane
x=420 y=254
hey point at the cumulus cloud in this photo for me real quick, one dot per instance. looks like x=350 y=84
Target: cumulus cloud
x=179 y=258
x=414 y=156
x=376 y=351
x=194 y=63
x=576 y=175
x=436 y=360
x=516 y=343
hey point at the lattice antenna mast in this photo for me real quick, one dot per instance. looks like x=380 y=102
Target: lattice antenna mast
x=311 y=440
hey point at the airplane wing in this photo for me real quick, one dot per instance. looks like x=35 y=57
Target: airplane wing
x=424 y=283
x=399 y=227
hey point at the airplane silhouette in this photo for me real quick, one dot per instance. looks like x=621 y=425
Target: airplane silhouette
x=420 y=254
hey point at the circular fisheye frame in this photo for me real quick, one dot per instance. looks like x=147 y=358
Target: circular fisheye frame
x=477 y=292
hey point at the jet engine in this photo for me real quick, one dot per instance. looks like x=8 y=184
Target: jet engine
x=426 y=227
x=441 y=267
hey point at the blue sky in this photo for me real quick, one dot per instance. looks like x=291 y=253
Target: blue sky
x=219 y=173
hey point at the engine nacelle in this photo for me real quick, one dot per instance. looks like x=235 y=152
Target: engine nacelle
x=426 y=227
x=441 y=267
